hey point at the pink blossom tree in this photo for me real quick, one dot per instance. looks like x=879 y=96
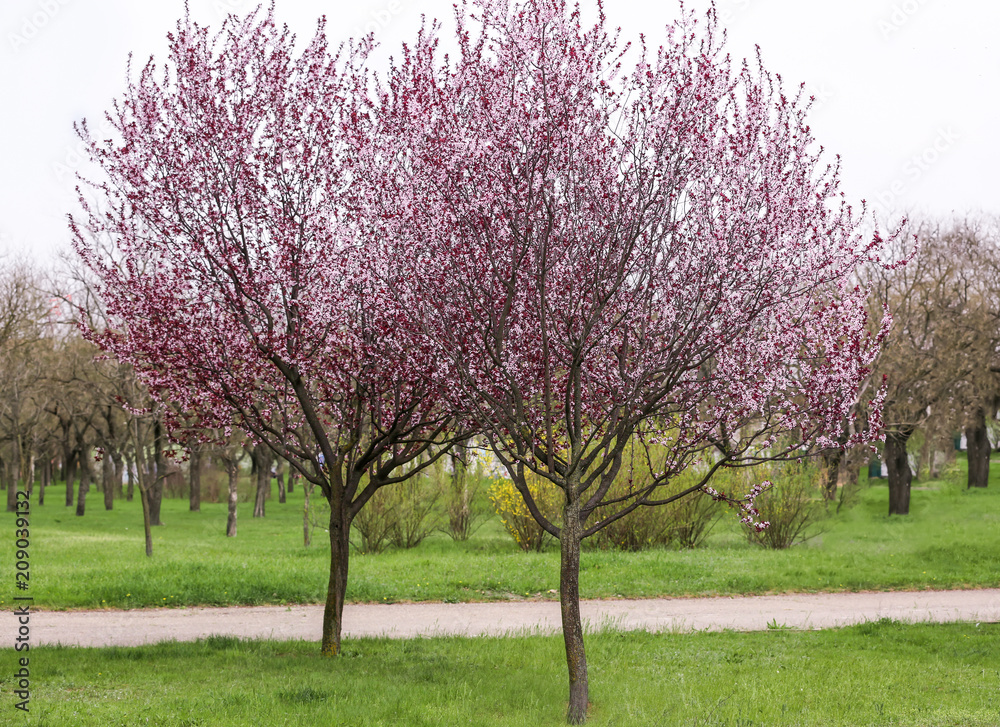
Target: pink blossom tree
x=235 y=283
x=607 y=258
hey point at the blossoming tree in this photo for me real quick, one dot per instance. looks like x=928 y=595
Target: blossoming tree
x=607 y=259
x=233 y=281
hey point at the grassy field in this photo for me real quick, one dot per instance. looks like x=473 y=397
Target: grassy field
x=896 y=675
x=951 y=539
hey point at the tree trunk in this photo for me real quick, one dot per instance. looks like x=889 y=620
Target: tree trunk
x=10 y=483
x=281 y=484
x=29 y=479
x=108 y=480
x=978 y=448
x=305 y=512
x=146 y=521
x=131 y=468
x=900 y=475
x=292 y=476
x=831 y=472
x=154 y=489
x=70 y=470
x=46 y=475
x=154 y=496
x=194 y=477
x=262 y=465
x=333 y=613
x=233 y=470
x=569 y=603
x=81 y=497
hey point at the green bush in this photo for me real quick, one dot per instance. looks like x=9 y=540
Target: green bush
x=793 y=505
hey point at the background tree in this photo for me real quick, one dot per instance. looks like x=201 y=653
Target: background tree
x=22 y=314
x=654 y=258
x=936 y=358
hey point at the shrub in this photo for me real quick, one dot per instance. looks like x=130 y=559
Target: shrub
x=685 y=522
x=411 y=505
x=461 y=482
x=401 y=514
x=514 y=515
x=793 y=505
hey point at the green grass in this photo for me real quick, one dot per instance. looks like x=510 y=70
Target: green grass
x=880 y=673
x=950 y=539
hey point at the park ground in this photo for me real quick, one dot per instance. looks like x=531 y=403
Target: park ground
x=881 y=671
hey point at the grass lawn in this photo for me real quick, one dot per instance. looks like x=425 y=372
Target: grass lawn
x=950 y=539
x=894 y=675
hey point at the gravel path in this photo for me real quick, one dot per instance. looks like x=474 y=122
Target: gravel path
x=406 y=620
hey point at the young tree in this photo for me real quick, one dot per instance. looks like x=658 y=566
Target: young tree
x=237 y=287
x=604 y=259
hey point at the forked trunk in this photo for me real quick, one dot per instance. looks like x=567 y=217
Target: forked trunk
x=978 y=444
x=898 y=466
x=569 y=603
x=333 y=613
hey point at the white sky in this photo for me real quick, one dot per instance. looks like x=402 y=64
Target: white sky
x=907 y=90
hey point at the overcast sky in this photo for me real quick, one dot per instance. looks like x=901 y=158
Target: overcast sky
x=907 y=91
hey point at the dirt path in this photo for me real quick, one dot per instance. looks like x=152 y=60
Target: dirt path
x=404 y=620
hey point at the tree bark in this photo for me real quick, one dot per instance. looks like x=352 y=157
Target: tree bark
x=262 y=465
x=46 y=475
x=146 y=521
x=831 y=472
x=10 y=487
x=281 y=484
x=108 y=480
x=233 y=470
x=978 y=445
x=119 y=464
x=154 y=491
x=569 y=603
x=898 y=466
x=10 y=482
x=194 y=477
x=81 y=497
x=154 y=496
x=29 y=478
x=305 y=512
x=70 y=471
x=292 y=476
x=333 y=612
x=130 y=468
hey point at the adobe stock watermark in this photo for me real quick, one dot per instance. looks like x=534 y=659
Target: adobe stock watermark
x=730 y=9
x=380 y=19
x=916 y=167
x=899 y=15
x=75 y=155
x=223 y=8
x=34 y=22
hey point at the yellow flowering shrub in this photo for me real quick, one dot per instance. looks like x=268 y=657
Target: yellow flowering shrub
x=514 y=515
